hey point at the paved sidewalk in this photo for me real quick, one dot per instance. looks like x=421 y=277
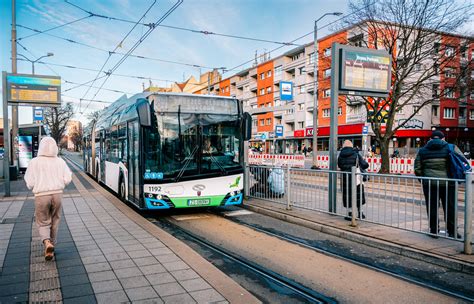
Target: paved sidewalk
x=440 y=251
x=107 y=253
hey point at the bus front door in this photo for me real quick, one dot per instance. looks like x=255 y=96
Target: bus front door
x=133 y=166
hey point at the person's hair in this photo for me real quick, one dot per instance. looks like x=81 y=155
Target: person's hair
x=347 y=144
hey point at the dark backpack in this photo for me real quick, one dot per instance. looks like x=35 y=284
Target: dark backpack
x=458 y=164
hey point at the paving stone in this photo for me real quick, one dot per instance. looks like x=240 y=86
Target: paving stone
x=18 y=298
x=12 y=289
x=67 y=263
x=74 y=279
x=128 y=272
x=102 y=276
x=168 y=289
x=151 y=269
x=160 y=278
x=186 y=274
x=207 y=296
x=195 y=284
x=145 y=261
x=71 y=270
x=134 y=282
x=179 y=299
x=172 y=266
x=90 y=299
x=156 y=244
x=139 y=254
x=76 y=290
x=106 y=286
x=98 y=267
x=93 y=259
x=112 y=297
x=149 y=301
x=117 y=256
x=141 y=293
x=122 y=264
x=160 y=251
x=167 y=258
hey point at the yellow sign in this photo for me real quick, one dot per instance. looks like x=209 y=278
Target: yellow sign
x=38 y=95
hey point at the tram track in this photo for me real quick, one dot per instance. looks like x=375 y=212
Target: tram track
x=301 y=292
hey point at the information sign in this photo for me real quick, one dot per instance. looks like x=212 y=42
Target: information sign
x=33 y=89
x=38 y=114
x=286 y=90
x=279 y=130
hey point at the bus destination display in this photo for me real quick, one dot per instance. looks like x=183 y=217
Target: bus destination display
x=32 y=89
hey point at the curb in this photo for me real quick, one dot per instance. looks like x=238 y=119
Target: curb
x=366 y=240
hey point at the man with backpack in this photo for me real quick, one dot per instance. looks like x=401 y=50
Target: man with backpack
x=440 y=160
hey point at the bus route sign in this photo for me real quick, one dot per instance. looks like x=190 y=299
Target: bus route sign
x=33 y=90
x=365 y=72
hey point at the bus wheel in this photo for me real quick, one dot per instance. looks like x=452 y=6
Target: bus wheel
x=122 y=190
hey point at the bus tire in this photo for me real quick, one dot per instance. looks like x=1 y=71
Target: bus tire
x=122 y=189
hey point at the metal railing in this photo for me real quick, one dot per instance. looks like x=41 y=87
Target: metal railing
x=392 y=200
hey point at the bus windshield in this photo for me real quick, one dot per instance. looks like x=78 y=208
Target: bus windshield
x=190 y=144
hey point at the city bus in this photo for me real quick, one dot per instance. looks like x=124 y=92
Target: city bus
x=166 y=150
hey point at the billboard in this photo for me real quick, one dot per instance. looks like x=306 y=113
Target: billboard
x=365 y=71
x=25 y=149
x=33 y=90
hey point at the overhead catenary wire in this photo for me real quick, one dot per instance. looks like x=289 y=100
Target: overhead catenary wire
x=116 y=47
x=197 y=31
x=142 y=38
x=37 y=32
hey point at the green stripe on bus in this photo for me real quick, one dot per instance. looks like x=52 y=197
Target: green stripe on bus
x=182 y=202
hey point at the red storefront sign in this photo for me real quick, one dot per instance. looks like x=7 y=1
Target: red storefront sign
x=355 y=129
x=298 y=133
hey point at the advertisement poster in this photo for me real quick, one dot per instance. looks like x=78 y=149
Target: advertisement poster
x=25 y=149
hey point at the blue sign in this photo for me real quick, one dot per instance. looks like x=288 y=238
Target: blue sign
x=38 y=114
x=365 y=130
x=278 y=130
x=286 y=90
x=153 y=175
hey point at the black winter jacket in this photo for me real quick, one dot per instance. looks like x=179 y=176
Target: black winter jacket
x=432 y=159
x=347 y=159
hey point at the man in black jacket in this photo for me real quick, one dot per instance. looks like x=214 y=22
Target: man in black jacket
x=433 y=161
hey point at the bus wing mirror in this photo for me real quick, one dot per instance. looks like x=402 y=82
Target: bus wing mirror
x=144 y=112
x=247 y=126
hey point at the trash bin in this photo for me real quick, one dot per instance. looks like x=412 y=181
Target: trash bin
x=13 y=173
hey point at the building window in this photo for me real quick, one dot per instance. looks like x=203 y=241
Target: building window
x=434 y=111
x=311 y=58
x=269 y=73
x=449 y=51
x=435 y=93
x=262 y=122
x=302 y=70
x=326 y=112
x=449 y=92
x=302 y=89
x=269 y=104
x=262 y=91
x=339 y=111
x=327 y=93
x=416 y=110
x=418 y=67
x=449 y=113
x=290 y=111
x=472 y=73
x=471 y=114
x=436 y=48
x=449 y=73
x=472 y=95
x=327 y=52
x=254 y=122
x=278 y=70
x=269 y=121
x=301 y=125
x=295 y=57
x=327 y=73
x=462 y=112
x=269 y=90
x=301 y=106
x=262 y=76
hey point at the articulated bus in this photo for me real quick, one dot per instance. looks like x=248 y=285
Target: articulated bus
x=164 y=150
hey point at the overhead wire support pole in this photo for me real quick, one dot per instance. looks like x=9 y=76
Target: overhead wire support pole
x=14 y=107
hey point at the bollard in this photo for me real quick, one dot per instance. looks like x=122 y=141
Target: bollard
x=353 y=196
x=288 y=188
x=468 y=215
x=246 y=180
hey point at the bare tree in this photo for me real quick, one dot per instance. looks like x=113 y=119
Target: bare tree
x=57 y=118
x=93 y=116
x=75 y=136
x=419 y=36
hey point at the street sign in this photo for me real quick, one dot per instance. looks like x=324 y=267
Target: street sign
x=38 y=114
x=279 y=130
x=365 y=72
x=365 y=130
x=33 y=90
x=286 y=90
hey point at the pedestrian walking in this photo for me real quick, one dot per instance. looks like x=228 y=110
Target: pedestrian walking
x=348 y=158
x=432 y=161
x=47 y=176
x=304 y=150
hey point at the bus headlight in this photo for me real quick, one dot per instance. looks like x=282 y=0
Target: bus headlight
x=232 y=193
x=159 y=197
x=150 y=195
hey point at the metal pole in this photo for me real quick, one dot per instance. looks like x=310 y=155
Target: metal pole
x=468 y=215
x=209 y=83
x=353 y=196
x=14 y=71
x=333 y=126
x=6 y=134
x=288 y=188
x=33 y=67
x=315 y=105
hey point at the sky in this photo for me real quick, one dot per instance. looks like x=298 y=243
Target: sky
x=277 y=20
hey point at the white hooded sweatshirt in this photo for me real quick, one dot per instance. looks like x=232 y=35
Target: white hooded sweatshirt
x=47 y=173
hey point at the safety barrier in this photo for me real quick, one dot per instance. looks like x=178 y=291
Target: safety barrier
x=397 y=201
x=283 y=160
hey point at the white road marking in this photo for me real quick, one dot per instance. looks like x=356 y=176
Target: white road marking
x=189 y=217
x=238 y=212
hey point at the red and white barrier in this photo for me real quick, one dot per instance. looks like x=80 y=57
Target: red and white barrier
x=277 y=160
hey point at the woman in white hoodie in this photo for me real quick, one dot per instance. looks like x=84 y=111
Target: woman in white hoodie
x=47 y=175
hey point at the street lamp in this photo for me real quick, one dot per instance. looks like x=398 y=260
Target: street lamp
x=315 y=106
x=34 y=61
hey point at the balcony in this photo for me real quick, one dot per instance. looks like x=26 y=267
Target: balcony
x=462 y=121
